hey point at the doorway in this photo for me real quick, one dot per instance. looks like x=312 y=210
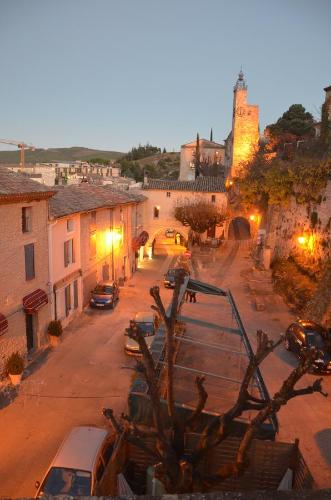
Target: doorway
x=29 y=332
x=239 y=229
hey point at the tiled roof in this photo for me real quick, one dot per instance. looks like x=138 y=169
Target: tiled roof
x=199 y=185
x=85 y=197
x=12 y=183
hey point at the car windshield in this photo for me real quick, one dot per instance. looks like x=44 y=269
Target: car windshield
x=315 y=340
x=171 y=273
x=103 y=289
x=147 y=328
x=61 y=480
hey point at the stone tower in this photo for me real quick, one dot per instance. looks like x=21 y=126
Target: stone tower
x=245 y=127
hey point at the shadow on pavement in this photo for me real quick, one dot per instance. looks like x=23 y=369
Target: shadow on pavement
x=287 y=357
x=323 y=440
x=37 y=362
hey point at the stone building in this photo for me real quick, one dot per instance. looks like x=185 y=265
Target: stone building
x=211 y=153
x=91 y=233
x=243 y=140
x=239 y=147
x=24 y=278
x=164 y=195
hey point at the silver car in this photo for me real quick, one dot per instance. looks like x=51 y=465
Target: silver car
x=148 y=322
x=78 y=468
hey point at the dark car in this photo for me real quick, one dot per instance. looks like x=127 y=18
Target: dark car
x=105 y=294
x=169 y=277
x=303 y=335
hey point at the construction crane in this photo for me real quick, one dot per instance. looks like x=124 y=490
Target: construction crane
x=22 y=146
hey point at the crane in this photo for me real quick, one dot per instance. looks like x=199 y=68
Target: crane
x=22 y=146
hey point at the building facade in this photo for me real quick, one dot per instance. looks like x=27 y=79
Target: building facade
x=210 y=153
x=164 y=195
x=24 y=279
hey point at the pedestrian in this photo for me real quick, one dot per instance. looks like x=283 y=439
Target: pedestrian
x=193 y=297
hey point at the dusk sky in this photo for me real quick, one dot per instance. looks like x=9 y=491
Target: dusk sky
x=111 y=74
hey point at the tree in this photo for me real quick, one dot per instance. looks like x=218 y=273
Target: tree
x=199 y=214
x=197 y=157
x=296 y=120
x=211 y=135
x=326 y=123
x=178 y=471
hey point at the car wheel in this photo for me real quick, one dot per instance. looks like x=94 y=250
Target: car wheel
x=287 y=344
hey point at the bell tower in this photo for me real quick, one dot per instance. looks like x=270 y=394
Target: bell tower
x=245 y=127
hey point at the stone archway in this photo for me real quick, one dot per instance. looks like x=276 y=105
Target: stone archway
x=239 y=229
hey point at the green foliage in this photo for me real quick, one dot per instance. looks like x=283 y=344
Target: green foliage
x=274 y=182
x=142 y=152
x=294 y=285
x=14 y=364
x=199 y=215
x=55 y=328
x=98 y=161
x=296 y=120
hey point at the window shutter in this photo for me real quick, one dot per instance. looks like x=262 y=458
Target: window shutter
x=29 y=261
x=65 y=248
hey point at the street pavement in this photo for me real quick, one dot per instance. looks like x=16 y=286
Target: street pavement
x=90 y=370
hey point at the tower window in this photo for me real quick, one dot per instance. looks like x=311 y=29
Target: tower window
x=168 y=194
x=213 y=198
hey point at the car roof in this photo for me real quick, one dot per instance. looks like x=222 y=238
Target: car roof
x=144 y=317
x=106 y=283
x=80 y=448
x=310 y=325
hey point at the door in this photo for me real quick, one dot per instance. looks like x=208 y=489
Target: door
x=29 y=331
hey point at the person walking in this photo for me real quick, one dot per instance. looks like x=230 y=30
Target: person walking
x=193 y=297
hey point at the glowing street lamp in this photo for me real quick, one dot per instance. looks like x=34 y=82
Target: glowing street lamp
x=302 y=240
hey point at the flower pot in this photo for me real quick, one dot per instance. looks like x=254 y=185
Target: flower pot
x=54 y=340
x=15 y=379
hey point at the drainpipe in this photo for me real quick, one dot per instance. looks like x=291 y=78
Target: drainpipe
x=51 y=223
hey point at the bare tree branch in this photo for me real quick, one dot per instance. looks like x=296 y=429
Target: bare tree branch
x=203 y=396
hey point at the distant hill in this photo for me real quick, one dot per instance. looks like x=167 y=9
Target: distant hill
x=58 y=154
x=159 y=166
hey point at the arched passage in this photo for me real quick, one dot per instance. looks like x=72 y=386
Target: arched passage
x=239 y=229
x=166 y=240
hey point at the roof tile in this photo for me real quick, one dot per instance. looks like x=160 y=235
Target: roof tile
x=200 y=184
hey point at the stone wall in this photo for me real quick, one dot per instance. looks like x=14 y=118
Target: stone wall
x=302 y=231
x=13 y=283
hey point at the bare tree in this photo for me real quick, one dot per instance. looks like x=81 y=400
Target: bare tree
x=199 y=214
x=178 y=472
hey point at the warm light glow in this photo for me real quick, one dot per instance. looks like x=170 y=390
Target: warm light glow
x=252 y=217
x=113 y=237
x=302 y=240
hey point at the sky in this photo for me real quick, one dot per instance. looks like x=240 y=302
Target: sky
x=110 y=74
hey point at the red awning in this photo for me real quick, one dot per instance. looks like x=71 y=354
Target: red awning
x=34 y=301
x=3 y=324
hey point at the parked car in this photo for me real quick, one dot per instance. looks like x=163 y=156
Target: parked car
x=303 y=335
x=148 y=322
x=105 y=294
x=79 y=465
x=169 y=277
x=170 y=233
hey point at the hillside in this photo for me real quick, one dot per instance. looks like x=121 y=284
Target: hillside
x=58 y=154
x=160 y=166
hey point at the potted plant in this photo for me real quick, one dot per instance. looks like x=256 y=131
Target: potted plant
x=14 y=367
x=55 y=332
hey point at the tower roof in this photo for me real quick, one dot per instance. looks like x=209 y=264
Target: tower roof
x=240 y=83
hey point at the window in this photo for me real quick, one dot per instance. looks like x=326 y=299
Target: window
x=213 y=198
x=93 y=216
x=75 y=294
x=156 y=212
x=68 y=252
x=29 y=261
x=93 y=244
x=168 y=194
x=70 y=225
x=26 y=219
x=67 y=299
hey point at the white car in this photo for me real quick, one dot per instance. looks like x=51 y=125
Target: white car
x=79 y=465
x=148 y=322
